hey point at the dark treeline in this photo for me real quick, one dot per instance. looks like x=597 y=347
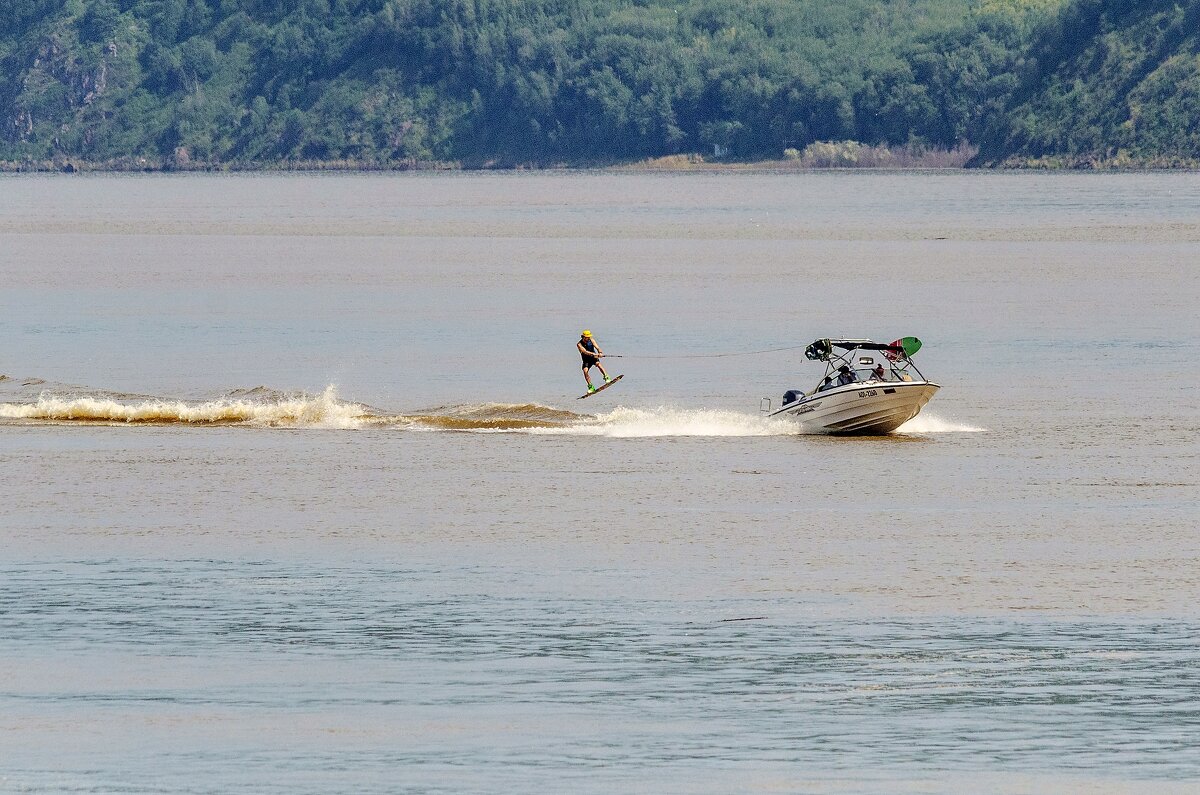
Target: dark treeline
x=381 y=82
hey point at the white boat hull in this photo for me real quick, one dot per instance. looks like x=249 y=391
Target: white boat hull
x=875 y=407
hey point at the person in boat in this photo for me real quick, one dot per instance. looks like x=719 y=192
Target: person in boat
x=845 y=376
x=877 y=374
x=591 y=353
x=826 y=384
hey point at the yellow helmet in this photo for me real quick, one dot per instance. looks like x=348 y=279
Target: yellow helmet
x=587 y=333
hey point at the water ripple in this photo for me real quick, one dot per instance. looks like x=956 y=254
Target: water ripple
x=633 y=681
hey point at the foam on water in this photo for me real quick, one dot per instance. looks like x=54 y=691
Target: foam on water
x=931 y=423
x=319 y=411
x=667 y=421
x=264 y=407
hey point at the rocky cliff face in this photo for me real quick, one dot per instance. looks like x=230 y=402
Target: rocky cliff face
x=56 y=89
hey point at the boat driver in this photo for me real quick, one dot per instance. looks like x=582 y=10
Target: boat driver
x=845 y=376
x=877 y=373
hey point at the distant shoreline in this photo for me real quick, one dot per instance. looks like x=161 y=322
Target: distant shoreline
x=887 y=161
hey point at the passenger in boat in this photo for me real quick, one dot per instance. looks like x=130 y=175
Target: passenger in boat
x=845 y=376
x=877 y=374
x=826 y=384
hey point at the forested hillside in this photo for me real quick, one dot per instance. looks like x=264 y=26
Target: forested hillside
x=254 y=83
x=507 y=81
x=1107 y=83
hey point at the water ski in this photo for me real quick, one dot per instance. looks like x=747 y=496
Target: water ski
x=601 y=388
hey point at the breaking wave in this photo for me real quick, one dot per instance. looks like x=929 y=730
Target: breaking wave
x=265 y=407
x=319 y=411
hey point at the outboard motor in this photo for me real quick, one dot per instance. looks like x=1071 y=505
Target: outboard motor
x=792 y=395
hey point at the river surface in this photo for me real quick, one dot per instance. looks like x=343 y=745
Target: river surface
x=298 y=497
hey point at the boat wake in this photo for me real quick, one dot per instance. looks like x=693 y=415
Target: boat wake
x=266 y=408
x=668 y=421
x=269 y=410
x=931 y=423
x=495 y=417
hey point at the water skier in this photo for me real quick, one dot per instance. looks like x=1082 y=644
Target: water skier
x=591 y=353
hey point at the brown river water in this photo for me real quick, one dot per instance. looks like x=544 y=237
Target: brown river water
x=298 y=497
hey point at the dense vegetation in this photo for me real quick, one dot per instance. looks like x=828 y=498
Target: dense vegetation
x=1107 y=83
x=385 y=82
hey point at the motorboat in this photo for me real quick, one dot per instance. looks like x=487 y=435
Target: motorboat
x=868 y=388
